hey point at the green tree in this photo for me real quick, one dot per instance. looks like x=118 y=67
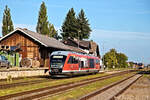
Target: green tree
x=84 y=26
x=52 y=32
x=42 y=24
x=131 y=64
x=110 y=59
x=7 y=22
x=70 y=27
x=122 y=60
x=113 y=59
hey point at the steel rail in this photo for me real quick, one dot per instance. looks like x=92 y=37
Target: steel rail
x=95 y=93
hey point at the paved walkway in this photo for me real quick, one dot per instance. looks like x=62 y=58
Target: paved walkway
x=114 y=90
x=138 y=91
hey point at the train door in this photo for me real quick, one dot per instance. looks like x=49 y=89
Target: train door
x=73 y=63
x=97 y=63
x=83 y=63
x=91 y=63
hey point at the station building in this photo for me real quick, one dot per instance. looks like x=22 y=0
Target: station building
x=34 y=45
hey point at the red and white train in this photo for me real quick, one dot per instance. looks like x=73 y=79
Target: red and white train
x=66 y=63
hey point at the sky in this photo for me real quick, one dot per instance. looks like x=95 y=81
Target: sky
x=120 y=24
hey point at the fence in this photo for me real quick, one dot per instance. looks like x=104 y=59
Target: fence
x=13 y=57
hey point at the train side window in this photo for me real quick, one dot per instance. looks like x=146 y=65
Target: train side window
x=72 y=60
x=91 y=63
x=75 y=61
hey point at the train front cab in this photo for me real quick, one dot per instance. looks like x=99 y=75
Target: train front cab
x=56 y=64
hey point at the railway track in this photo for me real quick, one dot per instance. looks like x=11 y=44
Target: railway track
x=38 y=93
x=6 y=86
x=140 y=90
x=111 y=91
x=30 y=77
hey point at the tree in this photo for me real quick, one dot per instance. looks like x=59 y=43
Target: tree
x=42 y=24
x=148 y=65
x=84 y=26
x=52 y=32
x=110 y=59
x=113 y=59
x=122 y=60
x=7 y=22
x=70 y=27
x=131 y=64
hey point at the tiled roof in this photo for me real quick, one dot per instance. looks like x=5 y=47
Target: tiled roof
x=47 y=41
x=91 y=46
x=82 y=43
x=76 y=49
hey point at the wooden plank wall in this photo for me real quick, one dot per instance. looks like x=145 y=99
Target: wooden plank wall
x=29 y=48
x=44 y=52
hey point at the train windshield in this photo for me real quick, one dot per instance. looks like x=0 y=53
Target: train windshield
x=57 y=60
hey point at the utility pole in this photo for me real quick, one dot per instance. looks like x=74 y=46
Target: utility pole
x=103 y=57
x=78 y=37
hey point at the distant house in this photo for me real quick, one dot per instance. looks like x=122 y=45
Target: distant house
x=34 y=45
x=89 y=47
x=140 y=65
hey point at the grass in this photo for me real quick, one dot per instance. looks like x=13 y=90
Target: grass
x=25 y=79
x=147 y=75
x=45 y=84
x=81 y=91
x=115 y=69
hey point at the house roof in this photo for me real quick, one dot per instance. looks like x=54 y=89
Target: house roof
x=42 y=39
x=72 y=48
x=82 y=43
x=91 y=46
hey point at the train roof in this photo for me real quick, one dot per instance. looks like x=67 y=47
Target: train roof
x=70 y=52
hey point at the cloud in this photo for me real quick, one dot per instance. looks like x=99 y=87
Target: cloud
x=98 y=33
x=134 y=44
x=28 y=26
x=143 y=12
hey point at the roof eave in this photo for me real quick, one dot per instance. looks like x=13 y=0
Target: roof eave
x=18 y=29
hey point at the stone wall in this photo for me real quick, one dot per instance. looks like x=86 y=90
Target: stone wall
x=15 y=73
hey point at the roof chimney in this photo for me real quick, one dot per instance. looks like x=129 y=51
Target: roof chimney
x=25 y=28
